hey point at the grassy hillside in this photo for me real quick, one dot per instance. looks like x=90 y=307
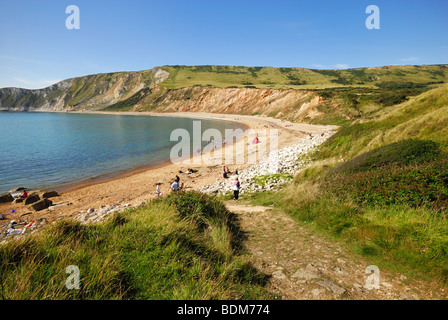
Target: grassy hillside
x=186 y=246
x=389 y=199
x=422 y=117
x=327 y=96
x=299 y=78
x=336 y=97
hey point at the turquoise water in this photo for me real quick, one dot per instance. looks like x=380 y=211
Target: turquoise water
x=47 y=150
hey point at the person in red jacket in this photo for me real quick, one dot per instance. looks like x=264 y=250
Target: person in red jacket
x=23 y=195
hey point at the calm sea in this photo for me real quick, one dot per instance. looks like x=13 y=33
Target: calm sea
x=48 y=150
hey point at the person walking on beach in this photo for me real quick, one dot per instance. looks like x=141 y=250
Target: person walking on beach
x=236 y=189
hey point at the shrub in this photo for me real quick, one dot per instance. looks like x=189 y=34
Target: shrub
x=197 y=206
x=425 y=184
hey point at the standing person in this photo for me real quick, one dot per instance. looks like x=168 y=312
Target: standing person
x=236 y=189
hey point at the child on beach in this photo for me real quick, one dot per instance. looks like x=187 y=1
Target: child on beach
x=159 y=193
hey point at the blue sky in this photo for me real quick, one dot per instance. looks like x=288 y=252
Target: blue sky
x=37 y=50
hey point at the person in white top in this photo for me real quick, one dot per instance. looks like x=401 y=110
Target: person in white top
x=175 y=186
x=159 y=193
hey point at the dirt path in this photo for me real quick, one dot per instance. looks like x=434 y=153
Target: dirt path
x=304 y=265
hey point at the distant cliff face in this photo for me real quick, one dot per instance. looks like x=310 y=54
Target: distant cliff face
x=286 y=93
x=91 y=92
x=282 y=104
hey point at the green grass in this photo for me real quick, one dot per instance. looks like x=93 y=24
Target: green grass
x=364 y=94
x=405 y=152
x=388 y=201
x=300 y=78
x=185 y=246
x=263 y=180
x=423 y=117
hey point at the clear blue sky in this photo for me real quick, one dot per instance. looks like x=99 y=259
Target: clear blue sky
x=37 y=50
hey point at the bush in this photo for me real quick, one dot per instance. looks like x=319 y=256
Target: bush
x=425 y=184
x=197 y=206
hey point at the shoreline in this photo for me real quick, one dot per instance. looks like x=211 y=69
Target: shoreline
x=109 y=176
x=131 y=171
x=138 y=185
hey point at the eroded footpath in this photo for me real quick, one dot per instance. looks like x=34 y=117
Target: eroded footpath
x=303 y=265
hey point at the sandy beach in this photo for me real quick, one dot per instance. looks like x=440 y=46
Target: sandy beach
x=137 y=186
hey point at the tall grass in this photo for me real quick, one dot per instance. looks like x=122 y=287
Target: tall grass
x=409 y=239
x=389 y=200
x=159 y=251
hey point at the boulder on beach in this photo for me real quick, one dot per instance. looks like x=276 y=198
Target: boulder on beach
x=17 y=189
x=48 y=194
x=6 y=197
x=34 y=197
x=18 y=200
x=41 y=204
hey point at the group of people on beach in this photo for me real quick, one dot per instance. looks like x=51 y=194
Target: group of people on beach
x=226 y=172
x=175 y=185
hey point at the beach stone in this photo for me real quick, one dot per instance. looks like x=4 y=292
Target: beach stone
x=49 y=194
x=6 y=197
x=41 y=204
x=59 y=205
x=34 y=197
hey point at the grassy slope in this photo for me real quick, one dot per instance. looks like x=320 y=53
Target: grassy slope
x=183 y=247
x=422 y=117
x=298 y=78
x=389 y=204
x=347 y=95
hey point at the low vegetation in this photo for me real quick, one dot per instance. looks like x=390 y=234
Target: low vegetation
x=186 y=246
x=300 y=78
x=389 y=199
